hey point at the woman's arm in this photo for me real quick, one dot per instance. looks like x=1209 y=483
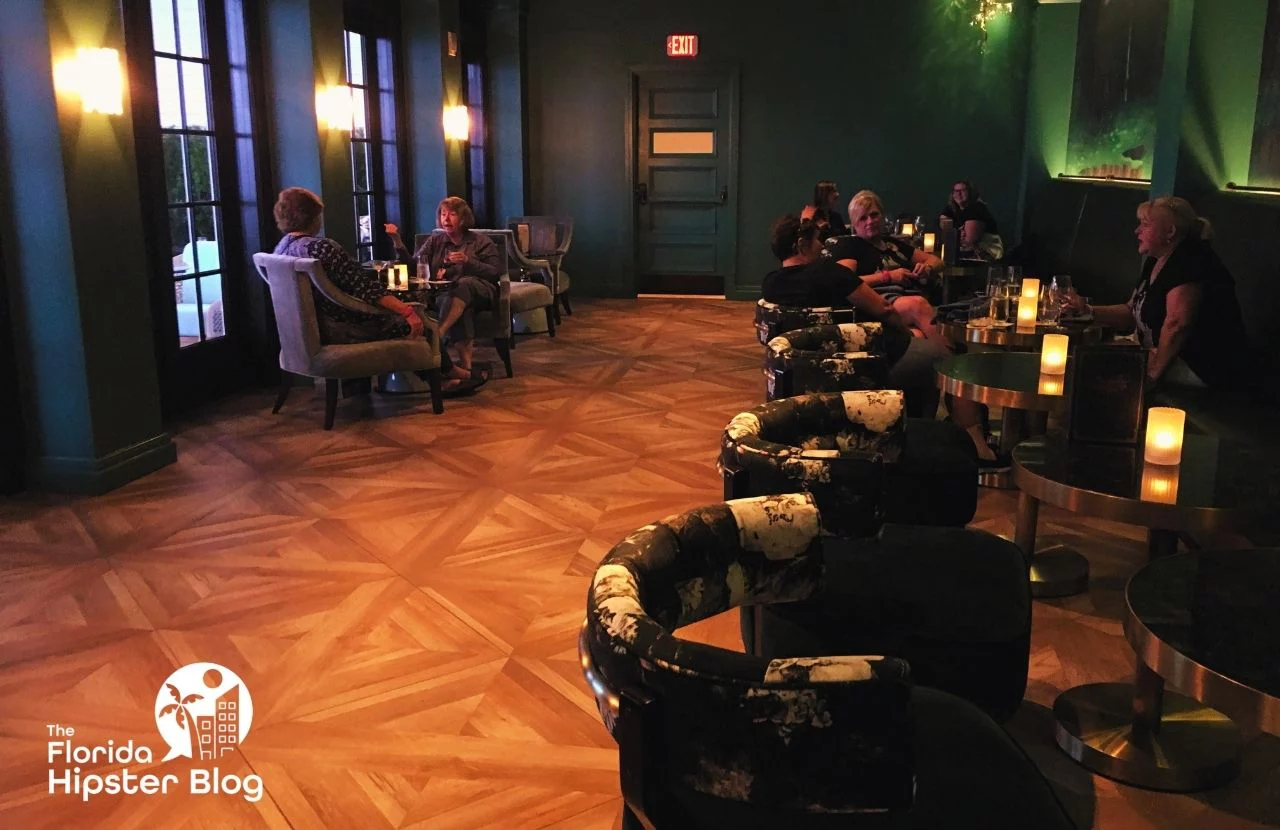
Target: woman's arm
x=1182 y=306
x=1118 y=317
x=925 y=263
x=876 y=277
x=868 y=302
x=402 y=253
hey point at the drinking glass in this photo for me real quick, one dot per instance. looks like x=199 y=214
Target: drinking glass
x=980 y=314
x=1015 y=275
x=999 y=308
x=1050 y=304
x=996 y=281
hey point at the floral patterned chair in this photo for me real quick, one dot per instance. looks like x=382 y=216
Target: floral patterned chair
x=956 y=603
x=773 y=319
x=840 y=358
x=709 y=738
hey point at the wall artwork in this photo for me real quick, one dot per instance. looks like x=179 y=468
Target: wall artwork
x=1264 y=169
x=1119 y=62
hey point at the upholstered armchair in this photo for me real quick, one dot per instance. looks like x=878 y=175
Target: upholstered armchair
x=841 y=358
x=773 y=319
x=954 y=602
x=301 y=352
x=547 y=238
x=709 y=738
x=492 y=325
x=531 y=290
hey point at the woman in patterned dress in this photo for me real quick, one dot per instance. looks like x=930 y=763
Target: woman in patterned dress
x=299 y=216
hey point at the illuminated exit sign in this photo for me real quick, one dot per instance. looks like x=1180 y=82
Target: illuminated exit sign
x=682 y=46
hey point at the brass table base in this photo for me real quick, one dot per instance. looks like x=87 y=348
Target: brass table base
x=1058 y=571
x=1193 y=746
x=997 y=480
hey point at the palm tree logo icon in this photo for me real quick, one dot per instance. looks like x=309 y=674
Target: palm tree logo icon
x=203 y=725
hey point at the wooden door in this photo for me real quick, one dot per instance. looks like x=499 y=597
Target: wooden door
x=684 y=179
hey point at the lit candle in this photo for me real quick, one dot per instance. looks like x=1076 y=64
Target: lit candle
x=1031 y=288
x=1160 y=483
x=1053 y=354
x=1050 y=384
x=402 y=275
x=942 y=252
x=1027 y=308
x=1164 y=435
x=929 y=239
x=908 y=229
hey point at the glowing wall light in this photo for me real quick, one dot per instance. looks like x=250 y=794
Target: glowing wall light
x=334 y=107
x=95 y=77
x=457 y=123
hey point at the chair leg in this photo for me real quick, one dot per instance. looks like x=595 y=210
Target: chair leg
x=513 y=332
x=564 y=298
x=554 y=310
x=435 y=382
x=551 y=320
x=503 y=345
x=331 y=386
x=286 y=383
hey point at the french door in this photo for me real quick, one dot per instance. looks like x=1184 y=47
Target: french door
x=193 y=118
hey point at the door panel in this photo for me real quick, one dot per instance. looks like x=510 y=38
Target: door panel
x=684 y=169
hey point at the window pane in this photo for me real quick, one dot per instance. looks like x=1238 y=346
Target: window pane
x=174 y=180
x=211 y=306
x=684 y=143
x=360 y=163
x=180 y=237
x=206 y=247
x=191 y=28
x=364 y=214
x=359 y=114
x=390 y=168
x=162 y=26
x=200 y=168
x=355 y=58
x=188 y=308
x=195 y=95
x=167 y=93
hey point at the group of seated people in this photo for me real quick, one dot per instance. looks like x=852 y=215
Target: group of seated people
x=469 y=261
x=1183 y=309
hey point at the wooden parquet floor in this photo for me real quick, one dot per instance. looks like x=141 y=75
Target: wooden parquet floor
x=401 y=596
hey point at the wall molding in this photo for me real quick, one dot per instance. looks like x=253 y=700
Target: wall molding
x=97 y=475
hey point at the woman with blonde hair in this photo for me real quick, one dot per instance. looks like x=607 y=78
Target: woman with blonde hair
x=1184 y=306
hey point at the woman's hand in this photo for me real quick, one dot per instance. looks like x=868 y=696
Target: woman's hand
x=457 y=257
x=414 y=321
x=921 y=269
x=440 y=275
x=898 y=275
x=1075 y=303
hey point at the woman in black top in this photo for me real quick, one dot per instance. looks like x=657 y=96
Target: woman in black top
x=825 y=210
x=972 y=217
x=1184 y=307
x=809 y=279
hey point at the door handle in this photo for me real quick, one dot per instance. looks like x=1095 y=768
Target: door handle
x=642 y=194
x=724 y=194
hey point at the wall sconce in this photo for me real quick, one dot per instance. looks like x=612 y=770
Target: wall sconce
x=95 y=77
x=457 y=123
x=334 y=107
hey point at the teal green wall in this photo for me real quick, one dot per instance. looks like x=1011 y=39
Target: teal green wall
x=927 y=109
x=506 y=108
x=75 y=259
x=423 y=42
x=1206 y=111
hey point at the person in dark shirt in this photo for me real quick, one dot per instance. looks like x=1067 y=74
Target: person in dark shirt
x=806 y=278
x=1184 y=306
x=977 y=226
x=466 y=259
x=880 y=260
x=825 y=211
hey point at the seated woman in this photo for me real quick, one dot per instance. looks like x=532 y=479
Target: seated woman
x=809 y=279
x=299 y=216
x=465 y=258
x=1184 y=306
x=881 y=260
x=825 y=210
x=979 y=233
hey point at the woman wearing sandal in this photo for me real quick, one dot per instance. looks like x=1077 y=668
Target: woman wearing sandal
x=299 y=216
x=469 y=261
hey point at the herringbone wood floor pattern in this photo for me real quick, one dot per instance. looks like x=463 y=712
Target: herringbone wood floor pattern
x=401 y=595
